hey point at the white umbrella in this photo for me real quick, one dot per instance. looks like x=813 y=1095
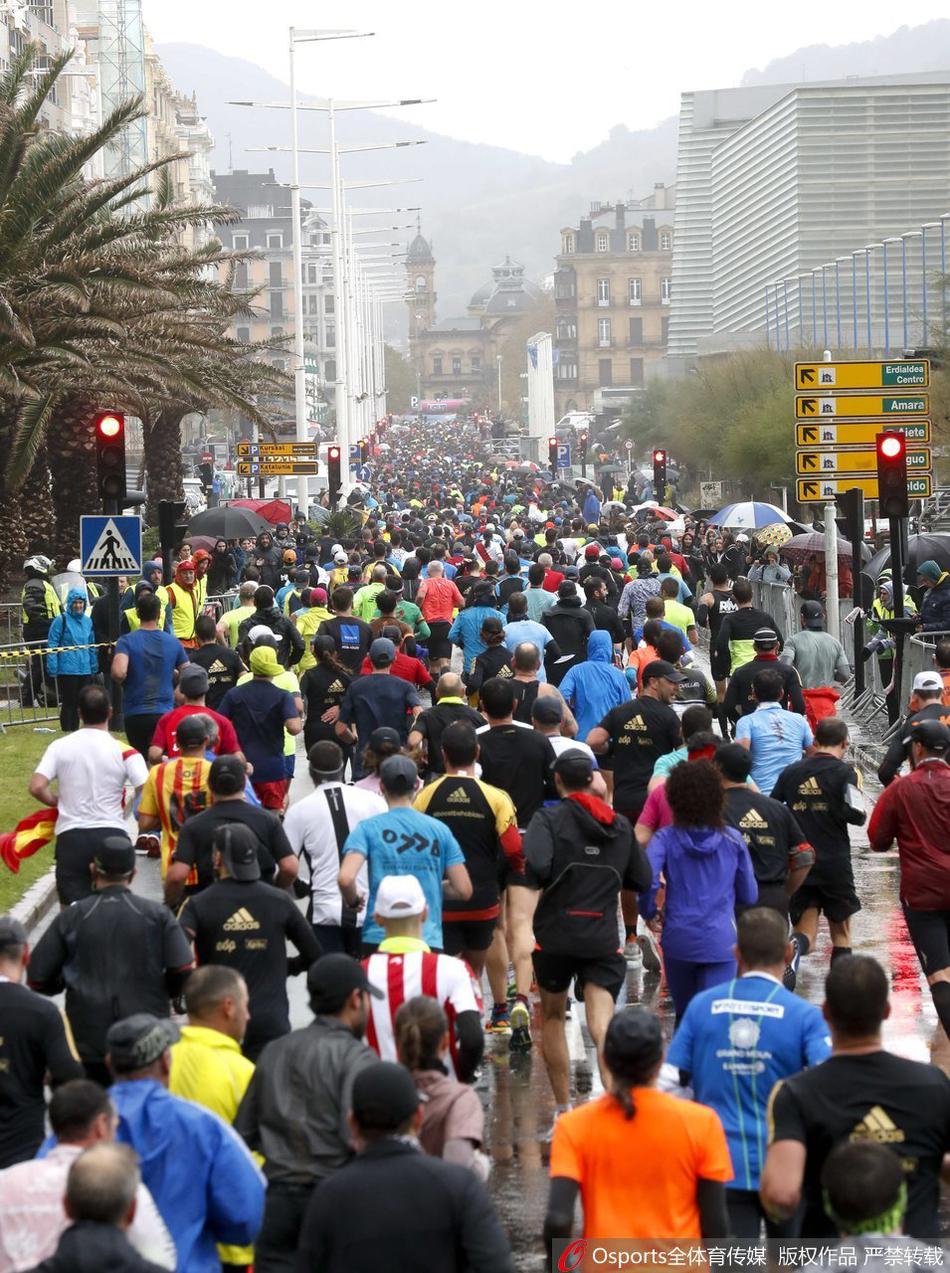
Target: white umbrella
x=748 y=515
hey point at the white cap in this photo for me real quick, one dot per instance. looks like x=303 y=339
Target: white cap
x=75 y=566
x=928 y=682
x=399 y=896
x=742 y=539
x=260 y=630
x=339 y=554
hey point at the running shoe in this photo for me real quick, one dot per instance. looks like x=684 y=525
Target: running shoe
x=648 y=947
x=520 y=1027
x=500 y=1022
x=150 y=845
x=632 y=954
x=790 y=976
x=512 y=992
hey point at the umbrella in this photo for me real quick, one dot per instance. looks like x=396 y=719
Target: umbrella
x=650 y=509
x=275 y=511
x=228 y=522
x=748 y=515
x=800 y=547
x=528 y=467
x=773 y=536
x=612 y=504
x=920 y=548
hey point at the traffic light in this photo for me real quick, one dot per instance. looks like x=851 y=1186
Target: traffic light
x=552 y=454
x=892 y=474
x=110 y=460
x=171 y=531
x=583 y=437
x=363 y=450
x=659 y=474
x=334 y=477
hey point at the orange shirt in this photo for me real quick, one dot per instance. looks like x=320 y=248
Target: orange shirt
x=638 y=1177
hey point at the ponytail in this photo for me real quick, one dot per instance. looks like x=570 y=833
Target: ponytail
x=420 y=1027
x=623 y=1095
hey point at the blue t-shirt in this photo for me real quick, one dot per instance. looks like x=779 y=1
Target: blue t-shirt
x=736 y=1041
x=778 y=739
x=153 y=656
x=405 y=842
x=257 y=710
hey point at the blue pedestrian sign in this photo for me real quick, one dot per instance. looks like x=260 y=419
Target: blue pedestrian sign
x=564 y=455
x=110 y=546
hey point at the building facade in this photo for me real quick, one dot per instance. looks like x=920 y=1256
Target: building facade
x=612 y=294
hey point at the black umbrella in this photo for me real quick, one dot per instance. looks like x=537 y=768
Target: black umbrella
x=920 y=548
x=228 y=523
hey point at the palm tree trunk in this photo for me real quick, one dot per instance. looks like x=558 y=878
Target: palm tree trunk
x=36 y=506
x=12 y=538
x=163 y=459
x=72 y=465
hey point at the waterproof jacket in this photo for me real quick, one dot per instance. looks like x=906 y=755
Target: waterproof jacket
x=570 y=624
x=269 y=560
x=72 y=629
x=290 y=647
x=40 y=606
x=935 y=606
x=591 y=689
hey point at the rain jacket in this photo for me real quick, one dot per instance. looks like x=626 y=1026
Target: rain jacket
x=200 y=1173
x=271 y=560
x=186 y=607
x=290 y=647
x=466 y=631
x=591 y=689
x=708 y=872
x=70 y=628
x=935 y=606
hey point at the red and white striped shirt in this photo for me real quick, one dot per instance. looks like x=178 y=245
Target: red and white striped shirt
x=404 y=975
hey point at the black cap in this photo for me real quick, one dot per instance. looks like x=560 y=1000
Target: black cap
x=332 y=979
x=384 y=1097
x=765 y=636
x=193 y=730
x=547 y=710
x=633 y=1035
x=238 y=847
x=227 y=776
x=383 y=738
x=398 y=775
x=115 y=855
x=137 y=1041
x=660 y=668
x=931 y=734
x=574 y=766
x=12 y=932
x=813 y=616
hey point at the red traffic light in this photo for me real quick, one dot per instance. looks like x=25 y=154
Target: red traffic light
x=659 y=457
x=552 y=442
x=109 y=425
x=333 y=453
x=891 y=446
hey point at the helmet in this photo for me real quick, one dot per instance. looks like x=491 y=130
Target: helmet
x=75 y=566
x=42 y=565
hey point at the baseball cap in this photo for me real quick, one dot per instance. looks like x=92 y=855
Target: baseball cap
x=592 y=552
x=383 y=738
x=12 y=932
x=332 y=979
x=384 y=1097
x=115 y=855
x=928 y=682
x=398 y=775
x=574 y=765
x=633 y=1034
x=398 y=896
x=930 y=734
x=318 y=596
x=765 y=636
x=812 y=614
x=339 y=555
x=262 y=631
x=547 y=710
x=193 y=680
x=264 y=661
x=237 y=845
x=660 y=668
x=227 y=776
x=382 y=652
x=137 y=1041
x=194 y=729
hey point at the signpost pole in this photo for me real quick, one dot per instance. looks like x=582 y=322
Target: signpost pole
x=832 y=621
x=117 y=722
x=853 y=501
x=895 y=531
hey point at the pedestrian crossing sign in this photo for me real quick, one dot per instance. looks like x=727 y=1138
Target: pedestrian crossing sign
x=110 y=546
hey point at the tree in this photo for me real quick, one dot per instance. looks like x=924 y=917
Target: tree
x=400 y=380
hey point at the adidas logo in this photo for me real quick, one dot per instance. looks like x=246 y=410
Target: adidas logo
x=458 y=796
x=335 y=688
x=216 y=666
x=809 y=787
x=753 y=819
x=878 y=1126
x=241 y=921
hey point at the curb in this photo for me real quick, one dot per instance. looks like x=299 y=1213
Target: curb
x=36 y=902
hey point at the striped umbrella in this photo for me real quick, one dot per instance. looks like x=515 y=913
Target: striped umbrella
x=748 y=515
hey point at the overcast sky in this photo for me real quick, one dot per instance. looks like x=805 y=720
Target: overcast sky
x=548 y=79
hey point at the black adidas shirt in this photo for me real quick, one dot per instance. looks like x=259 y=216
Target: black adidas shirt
x=904 y=1105
x=816 y=791
x=245 y=925
x=321 y=689
x=224 y=668
x=640 y=733
x=768 y=828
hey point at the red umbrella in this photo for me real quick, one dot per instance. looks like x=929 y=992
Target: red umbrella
x=275 y=511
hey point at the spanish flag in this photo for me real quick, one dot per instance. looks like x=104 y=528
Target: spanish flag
x=27 y=837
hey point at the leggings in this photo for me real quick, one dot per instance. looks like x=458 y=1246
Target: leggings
x=685 y=979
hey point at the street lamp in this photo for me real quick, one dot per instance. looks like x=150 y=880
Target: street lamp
x=498 y=369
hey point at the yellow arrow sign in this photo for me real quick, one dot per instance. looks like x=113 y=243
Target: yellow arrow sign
x=821 y=406
x=818 y=490
x=264 y=450
x=831 y=462
x=842 y=433
x=907 y=374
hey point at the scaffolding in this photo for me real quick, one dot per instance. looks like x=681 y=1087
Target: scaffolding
x=121 y=56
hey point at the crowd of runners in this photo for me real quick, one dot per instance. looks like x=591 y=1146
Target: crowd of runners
x=461 y=771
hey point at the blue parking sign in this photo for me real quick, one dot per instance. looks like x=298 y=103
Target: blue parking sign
x=564 y=455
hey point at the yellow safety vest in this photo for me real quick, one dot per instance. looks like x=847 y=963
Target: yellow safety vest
x=186 y=607
x=53 y=604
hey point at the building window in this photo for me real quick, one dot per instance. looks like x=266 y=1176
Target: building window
x=421 y=285
x=275 y=276
x=603 y=333
x=456 y=366
x=244 y=334
x=603 y=241
x=666 y=290
x=240 y=243
x=241 y=278
x=633 y=240
x=603 y=291
x=666 y=241
x=636 y=372
x=566 y=329
x=437 y=366
x=331 y=336
x=634 y=290
x=567 y=244
x=476 y=362
x=605 y=373
x=275 y=242
x=311 y=275
x=329 y=369
x=276 y=304
x=277 y=332
x=636 y=331
x=567 y=371
x=665 y=330
x=314 y=304
x=328 y=305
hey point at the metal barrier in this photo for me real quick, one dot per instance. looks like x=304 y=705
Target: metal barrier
x=27 y=691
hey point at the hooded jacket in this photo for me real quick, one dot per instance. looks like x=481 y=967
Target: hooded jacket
x=131 y=595
x=268 y=558
x=71 y=629
x=592 y=688
x=186 y=606
x=708 y=872
x=571 y=625
x=290 y=647
x=580 y=854
x=935 y=606
x=222 y=573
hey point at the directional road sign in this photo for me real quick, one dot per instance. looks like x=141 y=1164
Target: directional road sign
x=822 y=489
x=110 y=546
x=864 y=462
x=845 y=433
x=905 y=374
x=276 y=468
x=263 y=450
x=820 y=406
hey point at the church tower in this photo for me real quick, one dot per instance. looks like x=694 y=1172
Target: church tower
x=420 y=289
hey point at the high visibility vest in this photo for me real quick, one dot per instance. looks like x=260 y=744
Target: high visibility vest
x=52 y=602
x=185 y=610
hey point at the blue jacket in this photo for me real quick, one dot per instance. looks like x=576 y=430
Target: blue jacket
x=935 y=606
x=467 y=628
x=591 y=511
x=70 y=628
x=708 y=872
x=591 y=689
x=200 y=1173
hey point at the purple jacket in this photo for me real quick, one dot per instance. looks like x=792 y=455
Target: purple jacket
x=708 y=872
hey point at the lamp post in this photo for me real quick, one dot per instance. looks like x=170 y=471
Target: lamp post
x=498 y=369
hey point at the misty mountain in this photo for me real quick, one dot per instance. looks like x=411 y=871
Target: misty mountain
x=922 y=48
